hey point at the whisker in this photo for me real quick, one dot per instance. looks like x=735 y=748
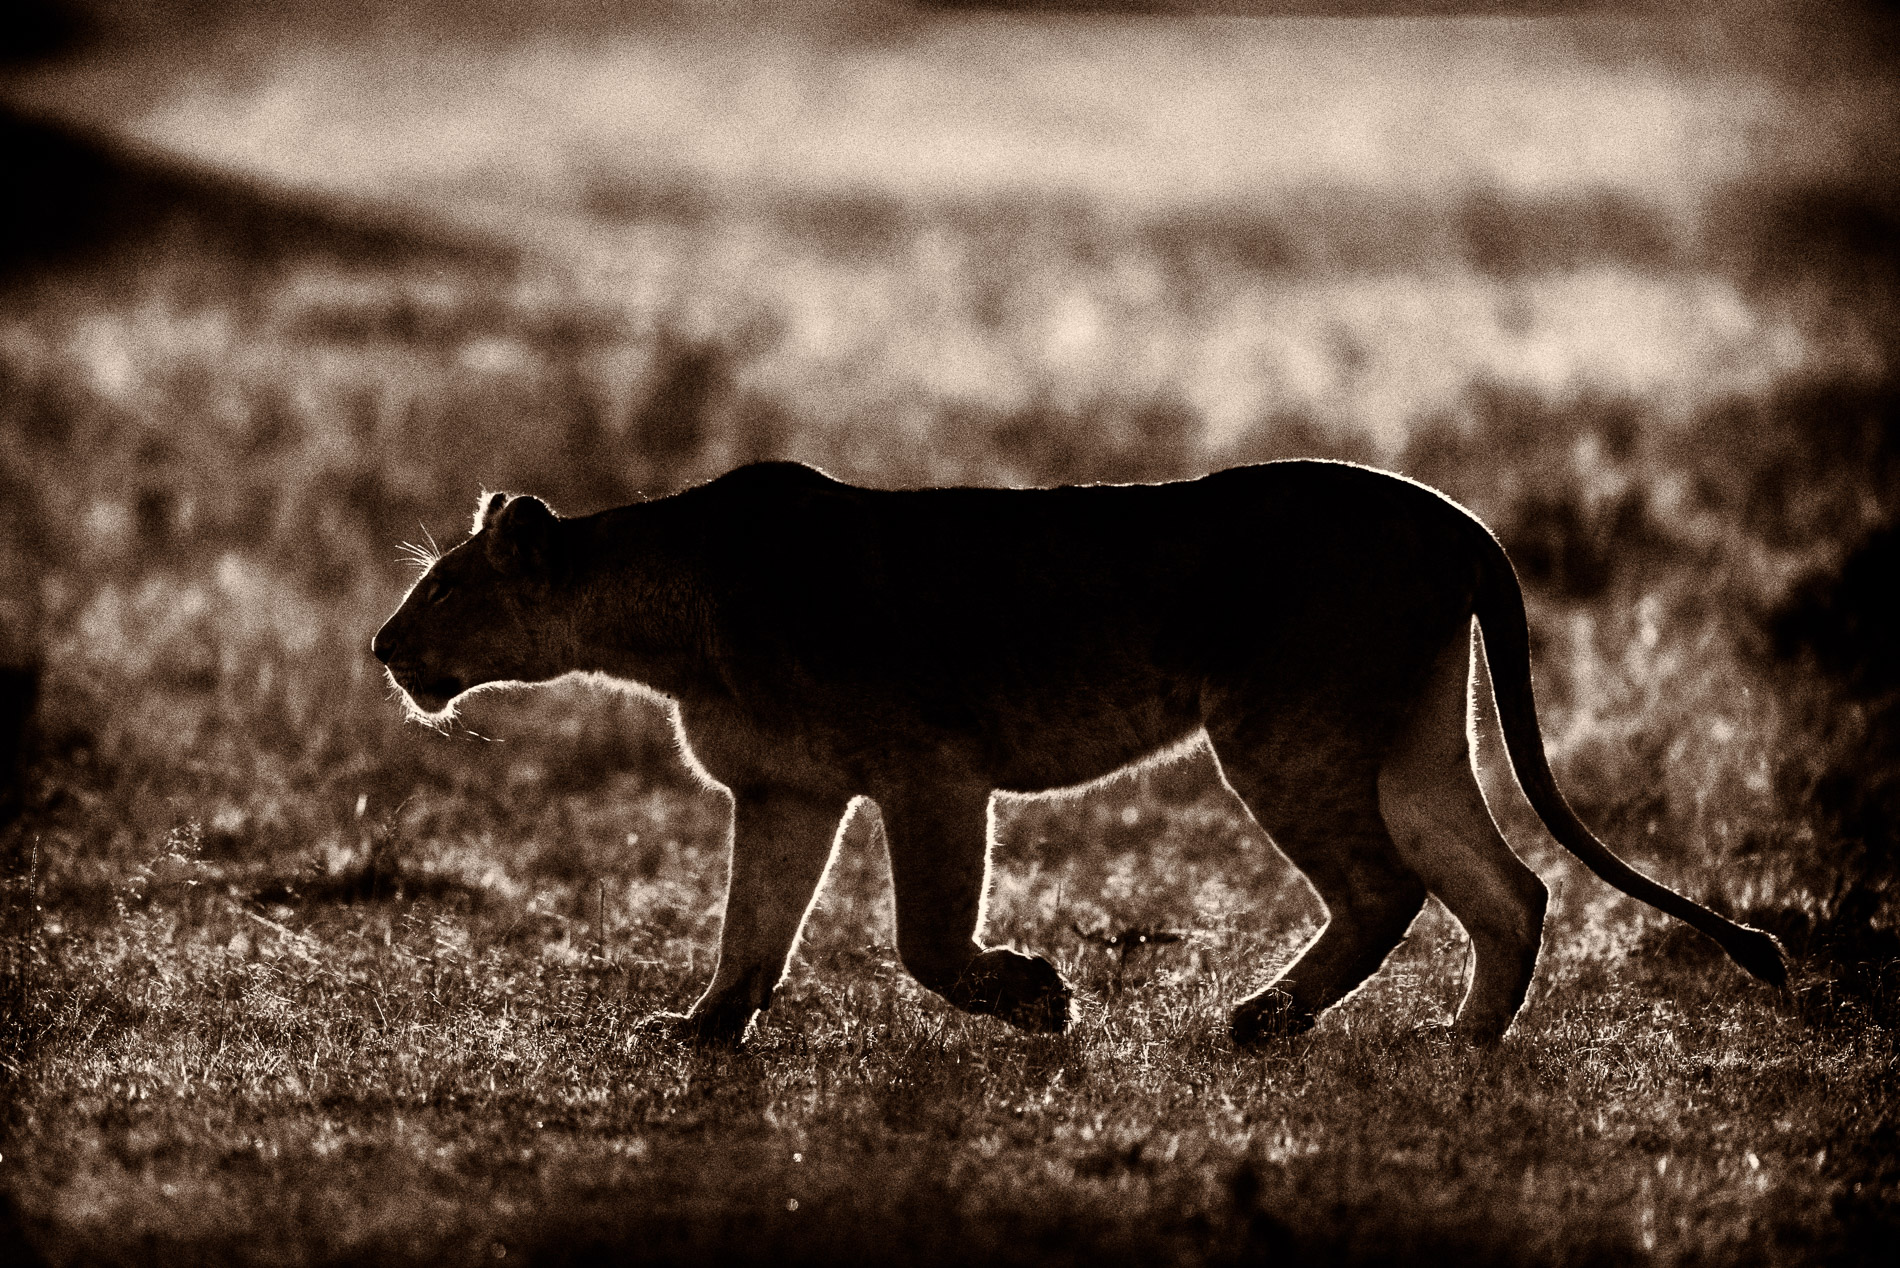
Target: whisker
x=423 y=557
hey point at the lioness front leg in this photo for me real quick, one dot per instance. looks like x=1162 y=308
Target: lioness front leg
x=781 y=840
x=939 y=843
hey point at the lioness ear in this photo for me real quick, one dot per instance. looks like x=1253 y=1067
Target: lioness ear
x=485 y=507
x=520 y=533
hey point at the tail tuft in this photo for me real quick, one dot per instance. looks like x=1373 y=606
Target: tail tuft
x=1759 y=953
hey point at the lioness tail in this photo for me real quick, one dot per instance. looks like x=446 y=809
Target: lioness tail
x=1500 y=611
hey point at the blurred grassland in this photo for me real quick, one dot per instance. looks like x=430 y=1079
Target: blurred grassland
x=289 y=980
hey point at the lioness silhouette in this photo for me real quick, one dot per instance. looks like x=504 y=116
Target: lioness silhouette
x=927 y=648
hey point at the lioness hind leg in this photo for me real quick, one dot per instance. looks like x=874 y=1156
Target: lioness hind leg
x=1430 y=798
x=781 y=841
x=1331 y=830
x=939 y=843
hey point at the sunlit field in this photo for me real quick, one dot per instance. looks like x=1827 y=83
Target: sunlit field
x=287 y=979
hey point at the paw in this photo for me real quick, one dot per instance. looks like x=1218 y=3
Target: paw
x=1478 y=1032
x=710 y=1028
x=1023 y=990
x=1269 y=1016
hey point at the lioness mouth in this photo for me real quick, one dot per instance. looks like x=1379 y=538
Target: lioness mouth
x=434 y=695
x=441 y=690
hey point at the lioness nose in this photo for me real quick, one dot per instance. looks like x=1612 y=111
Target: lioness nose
x=379 y=648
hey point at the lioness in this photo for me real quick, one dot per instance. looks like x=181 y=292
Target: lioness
x=822 y=642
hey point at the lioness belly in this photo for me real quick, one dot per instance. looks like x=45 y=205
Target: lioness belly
x=1031 y=737
x=1036 y=754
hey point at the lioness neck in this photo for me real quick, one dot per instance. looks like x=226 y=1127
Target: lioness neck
x=639 y=608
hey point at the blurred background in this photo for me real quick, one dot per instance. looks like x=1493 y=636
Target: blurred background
x=284 y=284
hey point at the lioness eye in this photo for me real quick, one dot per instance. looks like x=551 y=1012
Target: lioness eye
x=435 y=591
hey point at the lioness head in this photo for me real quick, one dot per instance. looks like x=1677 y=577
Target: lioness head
x=482 y=613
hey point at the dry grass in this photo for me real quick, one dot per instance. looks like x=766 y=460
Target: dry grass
x=434 y=1061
